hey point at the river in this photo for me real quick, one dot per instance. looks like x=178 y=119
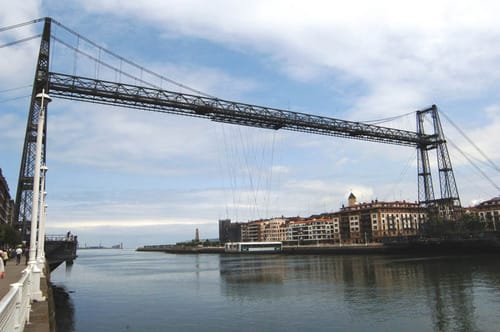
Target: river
x=124 y=290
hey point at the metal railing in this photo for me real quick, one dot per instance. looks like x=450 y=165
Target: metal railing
x=16 y=304
x=60 y=237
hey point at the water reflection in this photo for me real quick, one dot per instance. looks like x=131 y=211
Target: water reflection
x=447 y=289
x=68 y=269
x=64 y=308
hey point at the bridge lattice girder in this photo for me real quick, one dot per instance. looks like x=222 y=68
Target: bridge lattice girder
x=219 y=110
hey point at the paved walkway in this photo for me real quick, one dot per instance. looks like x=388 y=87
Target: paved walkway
x=12 y=275
x=39 y=316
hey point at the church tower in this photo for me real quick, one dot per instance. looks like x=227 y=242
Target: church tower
x=352 y=200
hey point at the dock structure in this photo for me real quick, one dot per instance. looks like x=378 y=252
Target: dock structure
x=60 y=249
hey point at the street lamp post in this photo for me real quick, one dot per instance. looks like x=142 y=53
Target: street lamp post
x=36 y=294
x=41 y=224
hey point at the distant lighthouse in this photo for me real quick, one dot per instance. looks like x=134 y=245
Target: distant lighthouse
x=197 y=236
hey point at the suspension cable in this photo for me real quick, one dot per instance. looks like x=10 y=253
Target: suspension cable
x=386 y=119
x=15 y=26
x=133 y=64
x=17 y=88
x=103 y=63
x=470 y=161
x=21 y=40
x=475 y=166
x=14 y=98
x=492 y=164
x=402 y=174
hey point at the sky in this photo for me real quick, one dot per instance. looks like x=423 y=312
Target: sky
x=121 y=175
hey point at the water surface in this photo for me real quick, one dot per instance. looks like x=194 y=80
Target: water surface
x=124 y=290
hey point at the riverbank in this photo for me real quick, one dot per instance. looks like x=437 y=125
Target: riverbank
x=427 y=247
x=182 y=250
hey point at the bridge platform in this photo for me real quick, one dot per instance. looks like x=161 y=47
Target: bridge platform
x=40 y=314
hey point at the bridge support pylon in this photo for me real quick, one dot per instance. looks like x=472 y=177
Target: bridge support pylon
x=25 y=186
x=448 y=206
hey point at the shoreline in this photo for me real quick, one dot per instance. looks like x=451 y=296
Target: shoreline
x=429 y=247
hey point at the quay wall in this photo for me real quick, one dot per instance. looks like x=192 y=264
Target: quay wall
x=183 y=250
x=42 y=316
x=290 y=250
x=438 y=247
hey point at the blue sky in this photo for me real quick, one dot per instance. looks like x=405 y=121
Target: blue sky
x=118 y=175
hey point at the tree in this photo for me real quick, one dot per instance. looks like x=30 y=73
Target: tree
x=9 y=236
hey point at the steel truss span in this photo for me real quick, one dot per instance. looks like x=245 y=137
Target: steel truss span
x=157 y=100
x=219 y=110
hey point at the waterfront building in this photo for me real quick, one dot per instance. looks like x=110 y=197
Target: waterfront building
x=295 y=229
x=275 y=229
x=229 y=232
x=359 y=223
x=253 y=231
x=488 y=212
x=317 y=228
x=374 y=221
x=356 y=223
x=264 y=230
x=6 y=202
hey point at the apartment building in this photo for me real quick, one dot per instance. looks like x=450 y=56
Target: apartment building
x=355 y=223
x=6 y=202
x=252 y=231
x=274 y=229
x=318 y=228
x=373 y=221
x=488 y=212
x=264 y=230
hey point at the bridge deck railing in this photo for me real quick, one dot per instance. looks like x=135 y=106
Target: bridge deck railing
x=15 y=306
x=59 y=237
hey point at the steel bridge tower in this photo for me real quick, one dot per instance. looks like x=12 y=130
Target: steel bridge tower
x=448 y=207
x=24 y=195
x=158 y=100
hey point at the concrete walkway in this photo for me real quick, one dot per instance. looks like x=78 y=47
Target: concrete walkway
x=39 y=316
x=12 y=275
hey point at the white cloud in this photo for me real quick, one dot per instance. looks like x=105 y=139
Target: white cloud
x=15 y=12
x=93 y=223
x=280 y=169
x=448 y=47
x=211 y=81
x=116 y=138
x=10 y=128
x=17 y=62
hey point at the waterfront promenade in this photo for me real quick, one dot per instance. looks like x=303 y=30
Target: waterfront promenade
x=39 y=315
